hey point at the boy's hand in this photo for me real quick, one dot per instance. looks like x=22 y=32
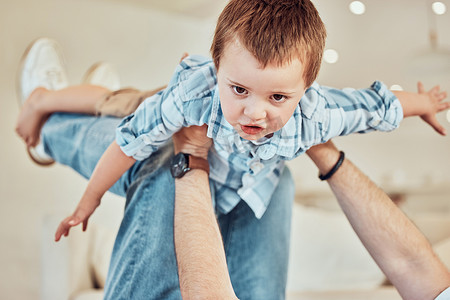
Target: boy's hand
x=434 y=105
x=183 y=56
x=81 y=215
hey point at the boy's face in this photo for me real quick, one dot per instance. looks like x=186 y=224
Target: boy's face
x=257 y=101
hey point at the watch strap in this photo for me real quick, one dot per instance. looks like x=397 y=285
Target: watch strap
x=196 y=162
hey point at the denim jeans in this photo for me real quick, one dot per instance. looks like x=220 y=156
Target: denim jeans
x=143 y=263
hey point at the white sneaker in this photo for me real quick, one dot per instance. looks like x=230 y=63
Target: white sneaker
x=41 y=66
x=103 y=74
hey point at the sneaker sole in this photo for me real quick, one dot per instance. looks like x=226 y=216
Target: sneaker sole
x=88 y=75
x=91 y=73
x=20 y=97
x=38 y=160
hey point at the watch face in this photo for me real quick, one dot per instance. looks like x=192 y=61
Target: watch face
x=179 y=165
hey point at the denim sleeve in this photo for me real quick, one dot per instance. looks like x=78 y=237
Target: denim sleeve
x=333 y=112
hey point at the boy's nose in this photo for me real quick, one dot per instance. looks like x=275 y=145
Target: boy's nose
x=255 y=111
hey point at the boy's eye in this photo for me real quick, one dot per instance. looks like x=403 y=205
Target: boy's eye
x=239 y=90
x=278 y=97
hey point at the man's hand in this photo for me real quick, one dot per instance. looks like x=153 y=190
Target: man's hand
x=192 y=140
x=324 y=156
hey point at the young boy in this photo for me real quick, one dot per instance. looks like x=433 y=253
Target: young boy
x=260 y=103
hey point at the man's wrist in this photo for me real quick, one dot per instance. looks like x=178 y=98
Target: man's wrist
x=194 y=174
x=335 y=167
x=182 y=163
x=324 y=156
x=200 y=153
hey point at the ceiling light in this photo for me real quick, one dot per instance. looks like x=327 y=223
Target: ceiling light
x=396 y=87
x=330 y=56
x=434 y=60
x=439 y=8
x=357 y=7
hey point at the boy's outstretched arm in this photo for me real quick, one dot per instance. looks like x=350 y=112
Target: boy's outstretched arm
x=425 y=104
x=109 y=169
x=332 y=112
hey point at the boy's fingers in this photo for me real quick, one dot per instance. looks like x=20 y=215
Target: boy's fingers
x=443 y=106
x=436 y=125
x=85 y=224
x=420 y=87
x=59 y=232
x=64 y=227
x=440 y=129
x=183 y=56
x=442 y=96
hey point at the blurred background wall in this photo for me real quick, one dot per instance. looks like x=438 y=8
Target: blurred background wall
x=144 y=40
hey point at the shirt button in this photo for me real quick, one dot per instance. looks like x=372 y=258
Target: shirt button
x=256 y=167
x=376 y=122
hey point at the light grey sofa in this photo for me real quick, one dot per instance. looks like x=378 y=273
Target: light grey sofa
x=327 y=260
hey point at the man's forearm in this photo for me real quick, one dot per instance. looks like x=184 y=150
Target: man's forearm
x=200 y=254
x=398 y=247
x=202 y=266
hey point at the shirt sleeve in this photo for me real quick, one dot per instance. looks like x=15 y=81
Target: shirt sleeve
x=151 y=125
x=333 y=112
x=445 y=295
x=185 y=102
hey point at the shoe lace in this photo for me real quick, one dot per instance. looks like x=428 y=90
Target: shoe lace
x=54 y=77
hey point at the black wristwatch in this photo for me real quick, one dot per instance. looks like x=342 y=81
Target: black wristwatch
x=183 y=163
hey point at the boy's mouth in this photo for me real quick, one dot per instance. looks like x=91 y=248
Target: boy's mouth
x=251 y=129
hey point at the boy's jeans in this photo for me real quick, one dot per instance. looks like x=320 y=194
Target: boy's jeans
x=143 y=263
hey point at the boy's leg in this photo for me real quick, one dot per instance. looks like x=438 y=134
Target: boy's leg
x=257 y=251
x=43 y=89
x=43 y=102
x=41 y=66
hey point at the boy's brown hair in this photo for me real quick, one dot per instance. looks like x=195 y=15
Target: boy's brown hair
x=274 y=31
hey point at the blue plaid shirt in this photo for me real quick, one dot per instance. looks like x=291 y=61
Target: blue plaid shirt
x=243 y=169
